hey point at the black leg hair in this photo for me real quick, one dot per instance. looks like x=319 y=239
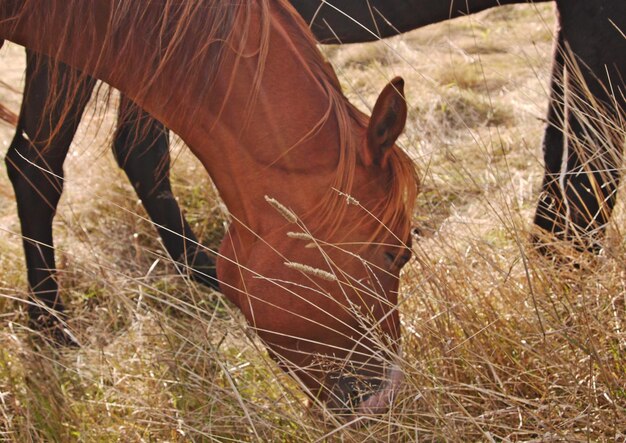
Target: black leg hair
x=35 y=167
x=583 y=144
x=141 y=148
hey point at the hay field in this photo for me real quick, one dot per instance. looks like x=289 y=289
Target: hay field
x=500 y=344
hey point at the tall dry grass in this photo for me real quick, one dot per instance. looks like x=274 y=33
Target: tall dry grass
x=500 y=343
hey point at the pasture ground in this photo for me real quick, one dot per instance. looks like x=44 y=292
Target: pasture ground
x=499 y=343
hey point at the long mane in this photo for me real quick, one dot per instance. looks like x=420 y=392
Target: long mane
x=403 y=182
x=174 y=38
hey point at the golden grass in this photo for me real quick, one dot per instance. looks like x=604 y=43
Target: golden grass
x=500 y=343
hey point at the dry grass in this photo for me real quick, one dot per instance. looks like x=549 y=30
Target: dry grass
x=499 y=342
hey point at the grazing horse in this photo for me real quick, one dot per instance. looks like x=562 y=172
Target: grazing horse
x=582 y=142
x=584 y=136
x=245 y=87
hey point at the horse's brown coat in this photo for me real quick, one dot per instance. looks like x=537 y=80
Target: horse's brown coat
x=247 y=90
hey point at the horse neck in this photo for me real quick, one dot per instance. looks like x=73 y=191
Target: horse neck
x=250 y=148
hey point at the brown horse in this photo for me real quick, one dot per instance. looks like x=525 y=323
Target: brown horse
x=141 y=147
x=584 y=138
x=244 y=86
x=581 y=156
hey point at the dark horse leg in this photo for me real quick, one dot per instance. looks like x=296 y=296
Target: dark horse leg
x=35 y=167
x=584 y=138
x=141 y=148
x=550 y=214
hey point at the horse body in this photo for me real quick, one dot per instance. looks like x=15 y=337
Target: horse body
x=233 y=104
x=223 y=110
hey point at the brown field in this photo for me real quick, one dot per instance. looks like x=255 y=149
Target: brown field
x=499 y=343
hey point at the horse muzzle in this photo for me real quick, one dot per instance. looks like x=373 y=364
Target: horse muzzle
x=356 y=394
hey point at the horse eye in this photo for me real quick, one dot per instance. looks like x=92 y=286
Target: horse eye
x=398 y=260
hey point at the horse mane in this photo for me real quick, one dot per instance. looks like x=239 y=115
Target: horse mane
x=154 y=34
x=403 y=181
x=168 y=26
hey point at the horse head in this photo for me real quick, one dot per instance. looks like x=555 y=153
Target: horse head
x=321 y=289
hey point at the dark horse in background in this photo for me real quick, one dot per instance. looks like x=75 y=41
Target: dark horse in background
x=582 y=144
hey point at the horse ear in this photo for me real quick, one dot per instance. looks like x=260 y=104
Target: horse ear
x=387 y=122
